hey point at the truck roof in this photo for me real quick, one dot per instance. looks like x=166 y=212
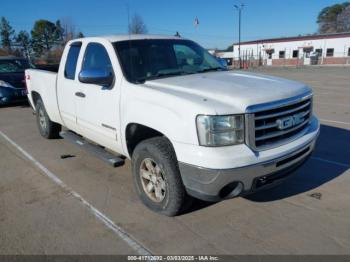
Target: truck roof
x=118 y=38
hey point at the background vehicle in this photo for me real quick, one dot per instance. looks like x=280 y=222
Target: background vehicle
x=12 y=84
x=190 y=126
x=222 y=61
x=314 y=57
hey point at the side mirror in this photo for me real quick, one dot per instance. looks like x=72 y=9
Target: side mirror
x=97 y=77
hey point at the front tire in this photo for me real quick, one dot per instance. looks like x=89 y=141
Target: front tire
x=157 y=177
x=47 y=128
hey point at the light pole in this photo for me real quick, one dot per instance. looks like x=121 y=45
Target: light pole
x=239 y=8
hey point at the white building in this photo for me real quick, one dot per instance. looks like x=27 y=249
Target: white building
x=301 y=50
x=224 y=54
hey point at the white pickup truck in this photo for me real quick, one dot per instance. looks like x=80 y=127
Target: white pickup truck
x=189 y=126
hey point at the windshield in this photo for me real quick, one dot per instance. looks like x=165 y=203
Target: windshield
x=144 y=60
x=13 y=66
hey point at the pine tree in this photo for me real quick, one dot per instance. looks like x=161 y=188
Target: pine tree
x=6 y=33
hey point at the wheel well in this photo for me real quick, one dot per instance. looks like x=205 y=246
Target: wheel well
x=35 y=96
x=135 y=133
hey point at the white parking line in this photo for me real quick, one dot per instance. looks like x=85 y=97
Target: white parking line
x=330 y=104
x=332 y=121
x=98 y=214
x=331 y=162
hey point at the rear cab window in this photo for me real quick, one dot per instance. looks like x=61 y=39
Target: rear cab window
x=72 y=59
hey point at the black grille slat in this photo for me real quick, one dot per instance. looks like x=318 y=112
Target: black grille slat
x=267 y=132
x=285 y=108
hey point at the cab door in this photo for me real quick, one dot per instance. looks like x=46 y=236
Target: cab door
x=98 y=105
x=68 y=86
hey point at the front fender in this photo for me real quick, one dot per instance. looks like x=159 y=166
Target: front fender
x=169 y=115
x=159 y=118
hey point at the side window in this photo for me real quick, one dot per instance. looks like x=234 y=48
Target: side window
x=96 y=57
x=282 y=54
x=295 y=53
x=319 y=51
x=72 y=58
x=330 y=52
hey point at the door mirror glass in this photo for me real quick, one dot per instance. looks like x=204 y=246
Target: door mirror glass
x=97 y=77
x=97 y=67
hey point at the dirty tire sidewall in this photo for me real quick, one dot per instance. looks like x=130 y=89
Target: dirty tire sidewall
x=52 y=129
x=40 y=107
x=161 y=151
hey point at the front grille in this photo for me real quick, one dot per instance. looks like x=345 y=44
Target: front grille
x=269 y=131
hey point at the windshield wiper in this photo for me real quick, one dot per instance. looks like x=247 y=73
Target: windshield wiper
x=212 y=69
x=166 y=74
x=169 y=73
x=161 y=75
x=142 y=80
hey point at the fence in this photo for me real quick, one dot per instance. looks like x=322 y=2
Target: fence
x=248 y=60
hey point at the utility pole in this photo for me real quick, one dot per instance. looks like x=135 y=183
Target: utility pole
x=239 y=8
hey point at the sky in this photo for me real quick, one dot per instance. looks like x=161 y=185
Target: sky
x=218 y=20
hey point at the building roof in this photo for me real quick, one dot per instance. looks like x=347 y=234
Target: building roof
x=296 y=38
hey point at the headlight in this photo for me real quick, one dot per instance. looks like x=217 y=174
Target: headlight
x=220 y=130
x=5 y=84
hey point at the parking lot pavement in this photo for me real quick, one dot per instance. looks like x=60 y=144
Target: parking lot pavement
x=34 y=217
x=309 y=214
x=331 y=90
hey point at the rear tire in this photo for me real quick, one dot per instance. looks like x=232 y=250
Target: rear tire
x=157 y=177
x=47 y=128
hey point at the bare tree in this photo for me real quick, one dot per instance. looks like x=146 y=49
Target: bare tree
x=137 y=26
x=69 y=29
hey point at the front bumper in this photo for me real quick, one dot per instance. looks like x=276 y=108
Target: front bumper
x=215 y=184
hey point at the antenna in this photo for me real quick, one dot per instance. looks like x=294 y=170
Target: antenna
x=128 y=14
x=130 y=59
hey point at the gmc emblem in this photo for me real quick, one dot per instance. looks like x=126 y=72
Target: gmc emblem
x=290 y=121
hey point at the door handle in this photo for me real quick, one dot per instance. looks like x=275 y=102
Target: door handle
x=80 y=94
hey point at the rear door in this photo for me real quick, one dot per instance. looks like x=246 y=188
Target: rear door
x=68 y=86
x=98 y=109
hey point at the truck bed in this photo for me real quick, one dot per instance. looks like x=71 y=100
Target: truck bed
x=50 y=67
x=44 y=83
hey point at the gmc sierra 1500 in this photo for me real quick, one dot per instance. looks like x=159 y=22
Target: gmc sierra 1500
x=189 y=125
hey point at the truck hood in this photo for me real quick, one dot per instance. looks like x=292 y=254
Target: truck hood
x=229 y=91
